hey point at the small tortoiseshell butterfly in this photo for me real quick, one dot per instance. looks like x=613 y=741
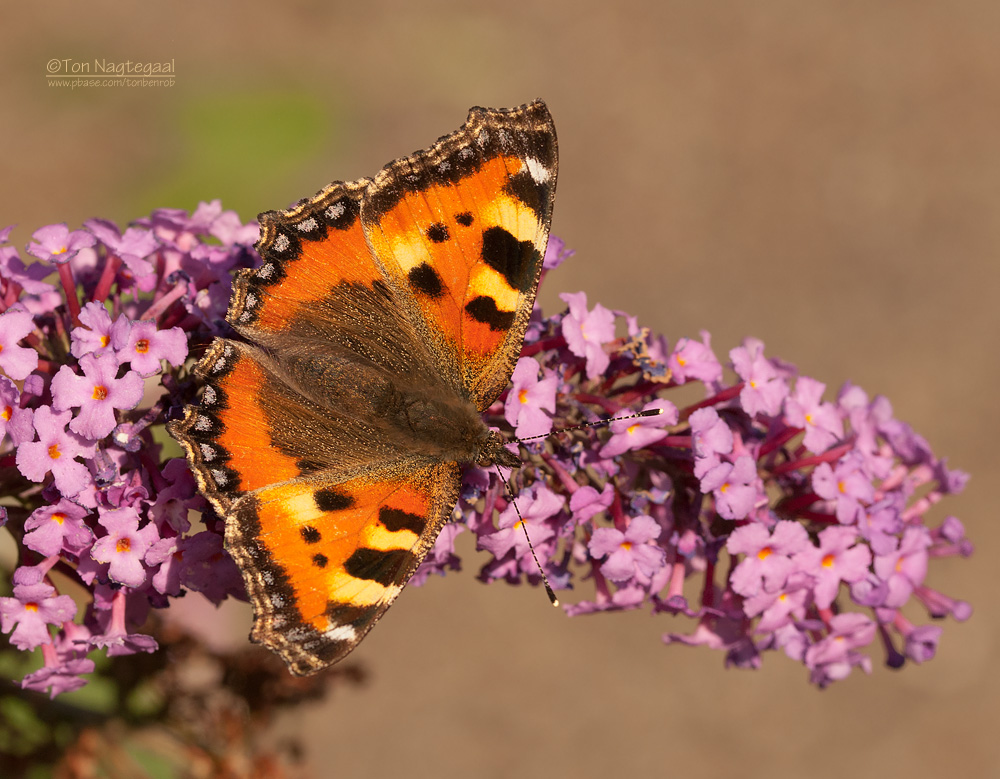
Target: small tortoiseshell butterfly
x=385 y=318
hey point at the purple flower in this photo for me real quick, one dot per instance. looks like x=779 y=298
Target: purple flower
x=30 y=612
x=97 y=393
x=29 y=278
x=804 y=408
x=441 y=557
x=734 y=486
x=56 y=244
x=209 y=570
x=847 y=486
x=133 y=248
x=125 y=545
x=764 y=389
x=785 y=604
x=838 y=558
x=536 y=506
x=230 y=229
x=695 y=360
x=629 y=554
x=904 y=568
x=16 y=361
x=55 y=451
x=921 y=640
x=769 y=555
x=97 y=333
x=145 y=346
x=556 y=253
x=528 y=400
x=586 y=332
x=63 y=674
x=833 y=657
x=14 y=420
x=56 y=528
x=640 y=432
x=710 y=437
x=115 y=636
x=880 y=524
x=586 y=502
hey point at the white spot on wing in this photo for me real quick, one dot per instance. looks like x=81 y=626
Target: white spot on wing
x=209 y=397
x=539 y=173
x=335 y=211
x=341 y=633
x=266 y=271
x=220 y=477
x=207 y=453
x=307 y=225
x=281 y=244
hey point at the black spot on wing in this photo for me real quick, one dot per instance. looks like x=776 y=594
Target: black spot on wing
x=438 y=232
x=329 y=499
x=465 y=218
x=346 y=613
x=425 y=280
x=320 y=560
x=395 y=520
x=310 y=535
x=515 y=260
x=377 y=565
x=532 y=194
x=484 y=309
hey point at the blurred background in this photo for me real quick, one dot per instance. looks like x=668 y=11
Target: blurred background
x=824 y=176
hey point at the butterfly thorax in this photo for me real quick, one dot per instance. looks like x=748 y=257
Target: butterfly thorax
x=447 y=427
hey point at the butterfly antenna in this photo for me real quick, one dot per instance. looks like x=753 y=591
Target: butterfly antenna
x=653 y=412
x=545 y=579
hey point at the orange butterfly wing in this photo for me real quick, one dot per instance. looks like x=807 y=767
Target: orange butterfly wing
x=383 y=311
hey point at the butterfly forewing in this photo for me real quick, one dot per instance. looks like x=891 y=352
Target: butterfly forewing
x=461 y=230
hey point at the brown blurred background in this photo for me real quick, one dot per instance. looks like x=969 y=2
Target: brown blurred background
x=824 y=175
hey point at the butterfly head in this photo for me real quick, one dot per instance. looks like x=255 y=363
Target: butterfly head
x=493 y=452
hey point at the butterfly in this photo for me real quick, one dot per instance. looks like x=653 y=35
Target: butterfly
x=385 y=317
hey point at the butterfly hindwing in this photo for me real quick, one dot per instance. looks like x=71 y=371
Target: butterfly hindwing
x=326 y=556
x=461 y=230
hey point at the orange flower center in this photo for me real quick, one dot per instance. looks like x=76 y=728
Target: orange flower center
x=60 y=250
x=105 y=340
x=6 y=413
x=828 y=561
x=764 y=553
x=32 y=606
x=626 y=545
x=58 y=518
x=54 y=452
x=142 y=346
x=100 y=392
x=123 y=545
x=523 y=396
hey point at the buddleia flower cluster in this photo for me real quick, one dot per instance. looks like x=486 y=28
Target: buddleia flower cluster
x=93 y=334
x=772 y=518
